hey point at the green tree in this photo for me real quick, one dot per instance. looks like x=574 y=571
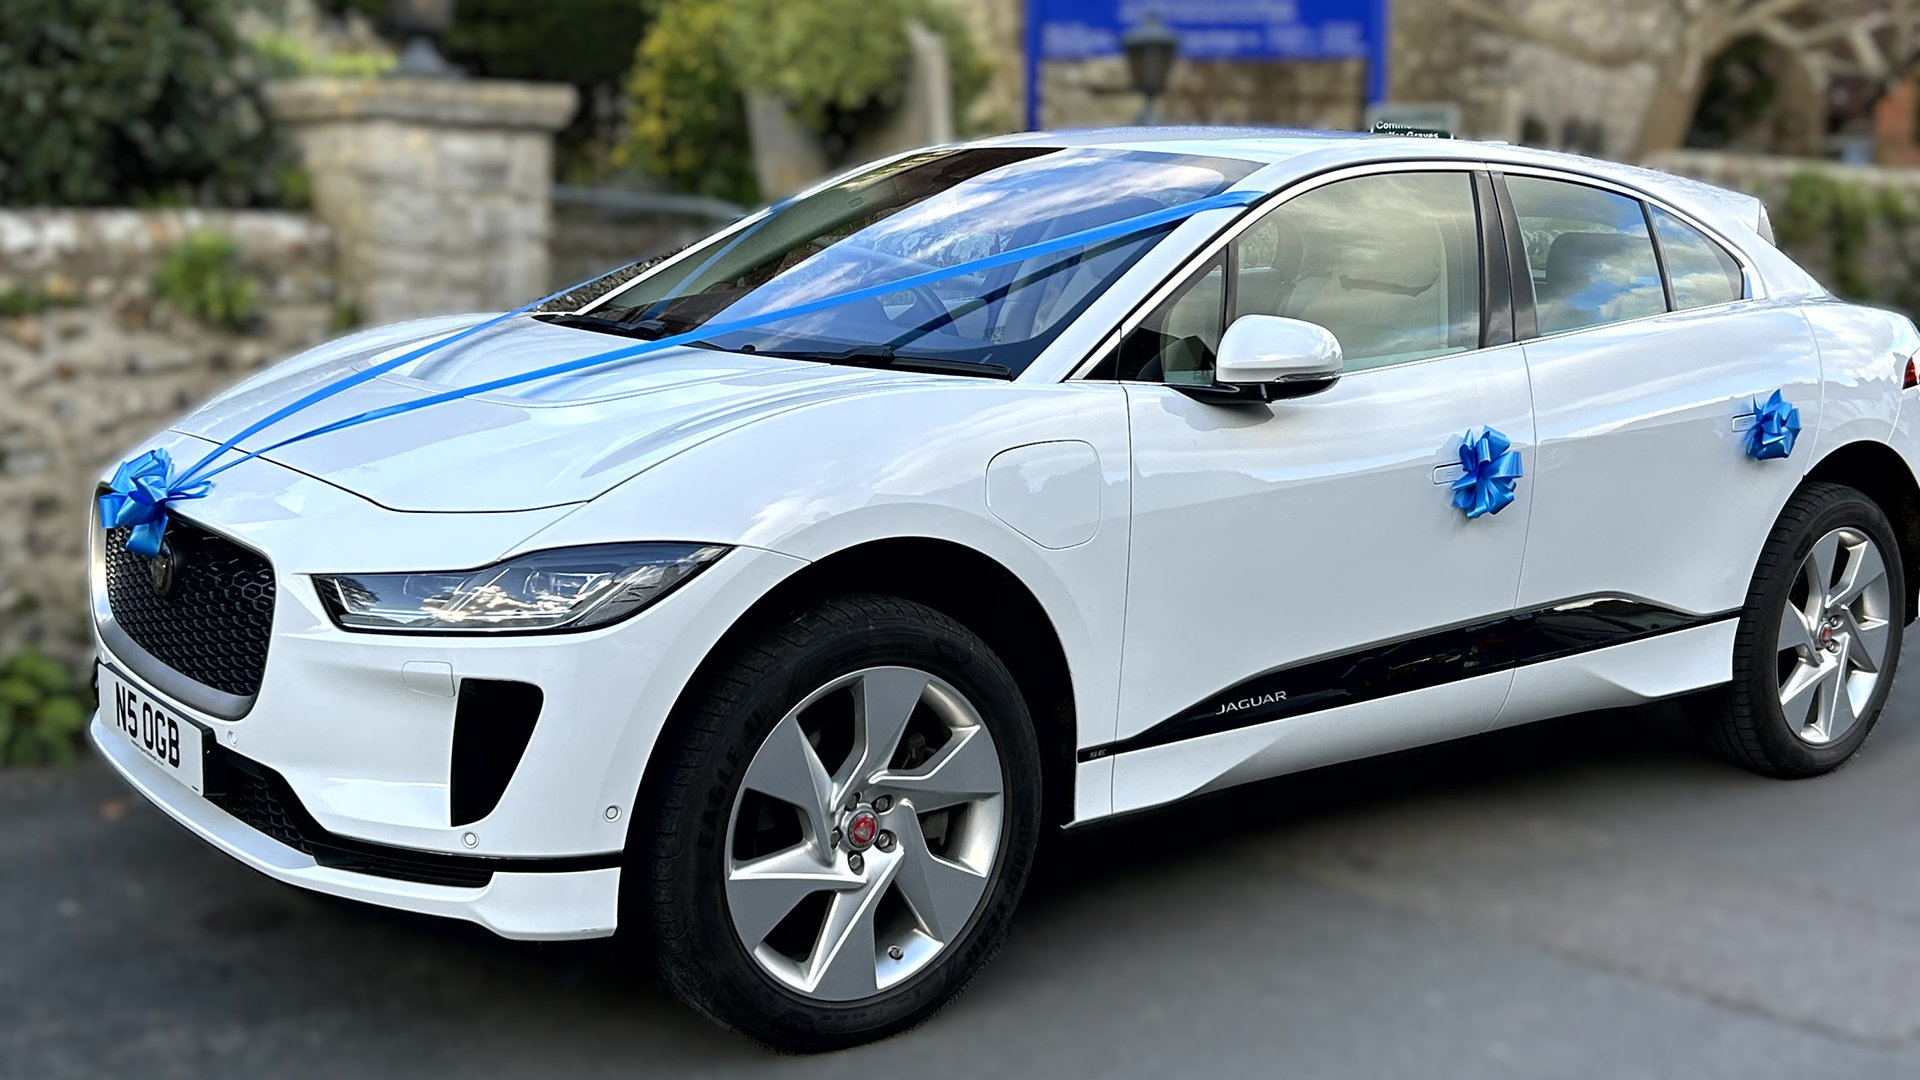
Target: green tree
x=687 y=123
x=835 y=63
x=118 y=101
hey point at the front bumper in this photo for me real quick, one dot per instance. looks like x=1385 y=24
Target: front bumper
x=535 y=906
x=360 y=727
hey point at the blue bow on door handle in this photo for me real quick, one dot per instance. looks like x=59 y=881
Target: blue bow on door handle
x=1776 y=426
x=1490 y=466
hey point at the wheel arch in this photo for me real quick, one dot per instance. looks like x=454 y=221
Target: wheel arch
x=1877 y=471
x=959 y=581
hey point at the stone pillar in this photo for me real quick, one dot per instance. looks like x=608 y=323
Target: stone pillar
x=439 y=191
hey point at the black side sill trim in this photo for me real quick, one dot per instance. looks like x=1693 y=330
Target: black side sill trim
x=238 y=785
x=1416 y=663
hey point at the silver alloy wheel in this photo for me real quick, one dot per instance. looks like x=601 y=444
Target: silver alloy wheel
x=1833 y=636
x=864 y=833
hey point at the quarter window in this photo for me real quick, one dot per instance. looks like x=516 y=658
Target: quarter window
x=1701 y=271
x=1390 y=264
x=1588 y=253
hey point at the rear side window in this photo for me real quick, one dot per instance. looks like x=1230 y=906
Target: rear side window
x=1589 y=255
x=1702 y=272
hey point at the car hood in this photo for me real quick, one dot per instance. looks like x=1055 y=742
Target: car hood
x=549 y=443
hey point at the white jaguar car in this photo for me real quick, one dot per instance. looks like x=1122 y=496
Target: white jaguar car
x=772 y=600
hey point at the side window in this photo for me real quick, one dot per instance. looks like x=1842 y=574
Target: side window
x=1588 y=253
x=1178 y=342
x=1390 y=264
x=1701 y=271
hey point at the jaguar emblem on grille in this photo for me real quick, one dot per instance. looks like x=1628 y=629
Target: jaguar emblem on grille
x=164 y=570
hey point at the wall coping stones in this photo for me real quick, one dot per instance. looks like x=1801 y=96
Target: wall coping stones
x=484 y=103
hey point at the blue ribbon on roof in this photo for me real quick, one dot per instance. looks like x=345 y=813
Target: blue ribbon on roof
x=153 y=486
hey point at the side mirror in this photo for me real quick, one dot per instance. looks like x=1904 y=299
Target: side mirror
x=1270 y=358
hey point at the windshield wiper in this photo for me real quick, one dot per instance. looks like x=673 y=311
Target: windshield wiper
x=883 y=356
x=645 y=329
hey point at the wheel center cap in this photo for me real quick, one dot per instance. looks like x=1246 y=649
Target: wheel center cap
x=862 y=828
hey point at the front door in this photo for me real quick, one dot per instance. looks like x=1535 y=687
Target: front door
x=1302 y=558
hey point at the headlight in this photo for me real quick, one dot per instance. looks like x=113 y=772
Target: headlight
x=564 y=589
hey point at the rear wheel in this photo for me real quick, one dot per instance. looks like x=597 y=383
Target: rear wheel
x=849 y=821
x=1819 y=637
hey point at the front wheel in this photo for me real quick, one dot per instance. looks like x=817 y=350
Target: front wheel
x=849 y=820
x=1819 y=637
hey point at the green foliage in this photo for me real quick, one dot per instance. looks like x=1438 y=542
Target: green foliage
x=1844 y=216
x=687 y=123
x=283 y=57
x=17 y=302
x=202 y=277
x=834 y=62
x=42 y=711
x=128 y=101
x=1819 y=206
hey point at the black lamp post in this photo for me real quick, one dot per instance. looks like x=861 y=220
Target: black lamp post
x=1151 y=48
x=422 y=21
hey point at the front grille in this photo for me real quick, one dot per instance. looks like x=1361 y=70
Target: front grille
x=262 y=799
x=214 y=623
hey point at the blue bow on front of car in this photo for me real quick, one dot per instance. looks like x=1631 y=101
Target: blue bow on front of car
x=1491 y=466
x=1775 y=427
x=142 y=489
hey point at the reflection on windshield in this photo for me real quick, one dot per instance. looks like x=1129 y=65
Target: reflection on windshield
x=928 y=212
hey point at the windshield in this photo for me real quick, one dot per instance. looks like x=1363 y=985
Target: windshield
x=927 y=212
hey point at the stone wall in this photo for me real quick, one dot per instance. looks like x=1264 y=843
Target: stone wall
x=598 y=229
x=104 y=364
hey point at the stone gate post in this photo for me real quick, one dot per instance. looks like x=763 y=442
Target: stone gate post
x=439 y=191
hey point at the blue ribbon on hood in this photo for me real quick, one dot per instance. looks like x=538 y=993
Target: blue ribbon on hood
x=142 y=490
x=1776 y=426
x=1492 y=465
x=195 y=482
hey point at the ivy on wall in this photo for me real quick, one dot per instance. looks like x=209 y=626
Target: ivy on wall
x=1853 y=237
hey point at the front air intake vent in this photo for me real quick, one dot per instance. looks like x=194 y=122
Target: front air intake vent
x=491 y=729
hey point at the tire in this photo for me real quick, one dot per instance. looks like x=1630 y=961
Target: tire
x=1786 y=672
x=715 y=826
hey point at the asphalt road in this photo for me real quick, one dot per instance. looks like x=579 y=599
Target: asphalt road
x=1593 y=897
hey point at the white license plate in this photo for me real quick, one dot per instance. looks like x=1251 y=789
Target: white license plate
x=155 y=728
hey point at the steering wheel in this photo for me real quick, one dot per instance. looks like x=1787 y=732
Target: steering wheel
x=927 y=305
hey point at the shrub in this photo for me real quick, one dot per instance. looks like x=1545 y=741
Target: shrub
x=202 y=277
x=687 y=122
x=42 y=711
x=128 y=101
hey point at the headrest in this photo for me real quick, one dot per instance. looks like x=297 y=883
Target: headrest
x=1574 y=256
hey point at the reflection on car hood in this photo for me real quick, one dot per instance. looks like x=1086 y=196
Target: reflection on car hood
x=558 y=441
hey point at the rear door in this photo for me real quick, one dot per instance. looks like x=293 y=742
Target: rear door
x=1643 y=388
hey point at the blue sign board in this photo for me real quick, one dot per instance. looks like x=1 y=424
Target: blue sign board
x=1212 y=30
